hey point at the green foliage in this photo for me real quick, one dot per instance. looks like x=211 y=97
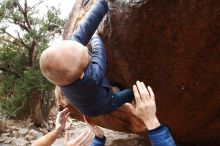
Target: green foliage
x=12 y=58
x=20 y=79
x=19 y=91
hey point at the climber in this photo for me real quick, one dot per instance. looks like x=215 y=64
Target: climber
x=84 y=139
x=80 y=73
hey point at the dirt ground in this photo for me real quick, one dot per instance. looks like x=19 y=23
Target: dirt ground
x=23 y=133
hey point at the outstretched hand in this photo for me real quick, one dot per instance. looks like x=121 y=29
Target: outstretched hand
x=145 y=107
x=61 y=119
x=84 y=139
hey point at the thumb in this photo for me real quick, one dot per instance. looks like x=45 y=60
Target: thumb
x=130 y=107
x=85 y=118
x=66 y=116
x=66 y=137
x=88 y=121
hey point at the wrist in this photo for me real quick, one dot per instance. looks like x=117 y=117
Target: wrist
x=95 y=35
x=100 y=139
x=100 y=136
x=58 y=130
x=151 y=123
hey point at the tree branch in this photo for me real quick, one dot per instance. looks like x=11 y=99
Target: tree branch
x=21 y=41
x=24 y=27
x=25 y=5
x=19 y=6
x=52 y=33
x=33 y=7
x=17 y=39
x=31 y=53
x=19 y=24
x=24 y=13
x=53 y=24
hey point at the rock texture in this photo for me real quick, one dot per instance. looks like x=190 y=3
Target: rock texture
x=174 y=46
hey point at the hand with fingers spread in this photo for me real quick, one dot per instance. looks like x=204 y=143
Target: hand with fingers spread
x=145 y=107
x=50 y=137
x=83 y=139
x=61 y=119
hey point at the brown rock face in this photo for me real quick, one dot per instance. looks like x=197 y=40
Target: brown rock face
x=119 y=120
x=174 y=46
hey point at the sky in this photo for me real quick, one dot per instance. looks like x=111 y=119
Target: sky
x=65 y=8
x=64 y=5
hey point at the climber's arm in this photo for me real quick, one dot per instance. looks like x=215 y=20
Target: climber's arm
x=90 y=22
x=98 y=59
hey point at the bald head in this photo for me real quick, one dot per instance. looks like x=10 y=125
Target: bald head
x=65 y=62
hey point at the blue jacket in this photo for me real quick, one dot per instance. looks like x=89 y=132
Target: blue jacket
x=160 y=136
x=91 y=95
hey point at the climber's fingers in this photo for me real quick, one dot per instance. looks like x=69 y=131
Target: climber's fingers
x=66 y=137
x=130 y=107
x=151 y=92
x=136 y=95
x=144 y=94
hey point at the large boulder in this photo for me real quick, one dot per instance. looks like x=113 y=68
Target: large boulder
x=174 y=46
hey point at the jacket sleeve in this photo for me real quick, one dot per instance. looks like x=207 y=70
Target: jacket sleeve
x=98 y=59
x=98 y=141
x=90 y=22
x=161 y=136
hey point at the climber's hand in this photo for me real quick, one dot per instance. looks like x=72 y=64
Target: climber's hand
x=83 y=139
x=145 y=107
x=95 y=129
x=61 y=119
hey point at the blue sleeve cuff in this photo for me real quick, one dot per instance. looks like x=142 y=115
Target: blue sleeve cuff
x=95 y=36
x=100 y=139
x=97 y=141
x=156 y=130
x=161 y=136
